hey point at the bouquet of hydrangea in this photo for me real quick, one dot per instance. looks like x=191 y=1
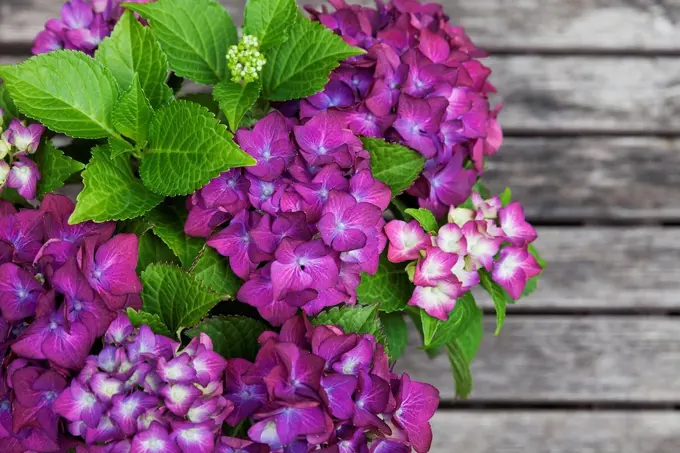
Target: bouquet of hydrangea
x=260 y=216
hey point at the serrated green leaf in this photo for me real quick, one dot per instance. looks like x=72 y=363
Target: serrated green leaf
x=232 y=336
x=188 y=148
x=396 y=334
x=178 y=298
x=168 y=224
x=118 y=146
x=131 y=51
x=204 y=99
x=437 y=332
x=153 y=250
x=500 y=297
x=506 y=196
x=55 y=168
x=137 y=318
x=269 y=20
x=195 y=35
x=390 y=287
x=112 y=192
x=65 y=90
x=353 y=319
x=235 y=100
x=462 y=351
x=214 y=271
x=132 y=114
x=395 y=165
x=302 y=66
x=426 y=219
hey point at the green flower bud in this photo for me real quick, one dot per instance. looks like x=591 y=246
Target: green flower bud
x=245 y=60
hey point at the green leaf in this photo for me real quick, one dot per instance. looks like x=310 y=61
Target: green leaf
x=7 y=104
x=390 y=287
x=269 y=20
x=437 y=332
x=396 y=333
x=178 y=298
x=302 y=66
x=132 y=50
x=214 y=271
x=506 y=196
x=119 y=147
x=395 y=165
x=232 y=336
x=55 y=168
x=462 y=351
x=132 y=114
x=188 y=148
x=168 y=224
x=112 y=192
x=65 y=90
x=137 y=318
x=499 y=296
x=426 y=219
x=195 y=35
x=153 y=250
x=204 y=99
x=353 y=319
x=236 y=99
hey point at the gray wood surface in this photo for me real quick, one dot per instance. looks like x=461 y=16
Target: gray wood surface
x=556 y=432
x=566 y=358
x=537 y=24
x=630 y=178
x=598 y=268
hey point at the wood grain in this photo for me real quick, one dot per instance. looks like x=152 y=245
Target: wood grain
x=596 y=268
x=556 y=432
x=562 y=359
x=537 y=24
x=590 y=178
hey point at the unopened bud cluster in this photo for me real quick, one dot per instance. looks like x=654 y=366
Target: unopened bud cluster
x=245 y=60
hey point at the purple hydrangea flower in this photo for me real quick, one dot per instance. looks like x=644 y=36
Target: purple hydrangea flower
x=16 y=143
x=420 y=84
x=145 y=393
x=311 y=180
x=318 y=388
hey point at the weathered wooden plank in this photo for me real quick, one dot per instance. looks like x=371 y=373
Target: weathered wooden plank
x=591 y=177
x=552 y=358
x=538 y=24
x=596 y=268
x=556 y=432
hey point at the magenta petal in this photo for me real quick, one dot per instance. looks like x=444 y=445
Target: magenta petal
x=19 y=292
x=194 y=437
x=77 y=403
x=154 y=440
x=177 y=370
x=209 y=366
x=416 y=404
x=339 y=390
x=179 y=397
x=24 y=177
x=114 y=266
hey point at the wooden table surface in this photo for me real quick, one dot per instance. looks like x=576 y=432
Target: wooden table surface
x=591 y=362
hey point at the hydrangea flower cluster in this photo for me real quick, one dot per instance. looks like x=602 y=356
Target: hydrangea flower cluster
x=16 y=144
x=82 y=26
x=420 y=84
x=446 y=266
x=245 y=62
x=317 y=388
x=309 y=213
x=144 y=394
x=60 y=286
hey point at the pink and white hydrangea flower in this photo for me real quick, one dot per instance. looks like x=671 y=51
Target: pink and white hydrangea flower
x=514 y=269
x=439 y=300
x=517 y=230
